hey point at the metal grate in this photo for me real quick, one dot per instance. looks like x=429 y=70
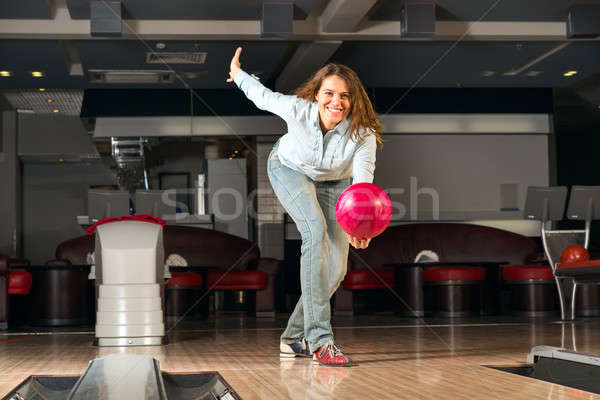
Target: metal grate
x=130 y=76
x=66 y=101
x=176 y=58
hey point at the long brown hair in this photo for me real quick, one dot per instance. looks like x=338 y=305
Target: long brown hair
x=362 y=115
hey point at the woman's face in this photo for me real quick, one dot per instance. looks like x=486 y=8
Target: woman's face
x=333 y=99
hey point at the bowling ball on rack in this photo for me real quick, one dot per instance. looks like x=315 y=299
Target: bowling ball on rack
x=574 y=253
x=363 y=210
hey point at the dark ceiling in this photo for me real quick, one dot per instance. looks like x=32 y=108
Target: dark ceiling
x=41 y=35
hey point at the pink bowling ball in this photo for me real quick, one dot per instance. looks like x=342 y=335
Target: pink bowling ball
x=363 y=210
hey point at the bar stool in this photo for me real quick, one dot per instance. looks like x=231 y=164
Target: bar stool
x=19 y=287
x=454 y=291
x=182 y=292
x=532 y=290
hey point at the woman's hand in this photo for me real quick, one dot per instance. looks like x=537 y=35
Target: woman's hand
x=358 y=243
x=235 y=66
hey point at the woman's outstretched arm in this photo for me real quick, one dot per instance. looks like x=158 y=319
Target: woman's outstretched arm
x=287 y=107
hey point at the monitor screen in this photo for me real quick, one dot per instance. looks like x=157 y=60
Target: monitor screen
x=104 y=203
x=584 y=203
x=555 y=198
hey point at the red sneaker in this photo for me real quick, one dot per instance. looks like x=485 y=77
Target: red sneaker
x=331 y=356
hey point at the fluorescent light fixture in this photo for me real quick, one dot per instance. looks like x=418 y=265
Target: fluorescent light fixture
x=55 y=110
x=6 y=74
x=42 y=89
x=37 y=74
x=570 y=73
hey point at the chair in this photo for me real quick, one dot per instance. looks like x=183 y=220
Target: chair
x=13 y=282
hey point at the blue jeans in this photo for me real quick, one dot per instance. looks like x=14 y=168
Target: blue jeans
x=324 y=251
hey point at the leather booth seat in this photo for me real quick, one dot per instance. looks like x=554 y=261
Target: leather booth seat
x=237 y=280
x=236 y=259
x=451 y=242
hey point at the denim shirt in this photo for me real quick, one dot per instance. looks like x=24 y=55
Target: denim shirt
x=304 y=148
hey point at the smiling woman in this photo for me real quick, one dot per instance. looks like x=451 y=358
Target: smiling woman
x=332 y=137
x=338 y=82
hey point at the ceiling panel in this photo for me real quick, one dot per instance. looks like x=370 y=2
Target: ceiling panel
x=261 y=58
x=439 y=64
x=186 y=9
x=485 y=10
x=583 y=57
x=23 y=56
x=24 y=9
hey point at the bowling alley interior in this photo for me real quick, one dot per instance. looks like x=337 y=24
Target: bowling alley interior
x=147 y=250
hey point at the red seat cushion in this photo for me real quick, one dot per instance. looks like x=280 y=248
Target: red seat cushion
x=237 y=280
x=446 y=274
x=365 y=279
x=19 y=282
x=580 y=264
x=527 y=272
x=185 y=279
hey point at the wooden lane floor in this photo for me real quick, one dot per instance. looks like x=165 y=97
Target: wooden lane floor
x=397 y=358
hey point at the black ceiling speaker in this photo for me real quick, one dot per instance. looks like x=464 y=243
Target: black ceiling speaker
x=277 y=20
x=106 y=18
x=583 y=21
x=418 y=19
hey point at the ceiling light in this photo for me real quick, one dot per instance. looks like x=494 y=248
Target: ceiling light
x=42 y=89
x=55 y=110
x=488 y=73
x=37 y=74
x=49 y=100
x=570 y=73
x=160 y=45
x=5 y=74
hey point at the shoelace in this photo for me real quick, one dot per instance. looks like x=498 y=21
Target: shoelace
x=332 y=349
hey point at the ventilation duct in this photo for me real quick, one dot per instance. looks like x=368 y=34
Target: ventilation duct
x=130 y=76
x=176 y=58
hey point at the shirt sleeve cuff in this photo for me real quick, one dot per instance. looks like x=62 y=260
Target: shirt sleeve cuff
x=240 y=77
